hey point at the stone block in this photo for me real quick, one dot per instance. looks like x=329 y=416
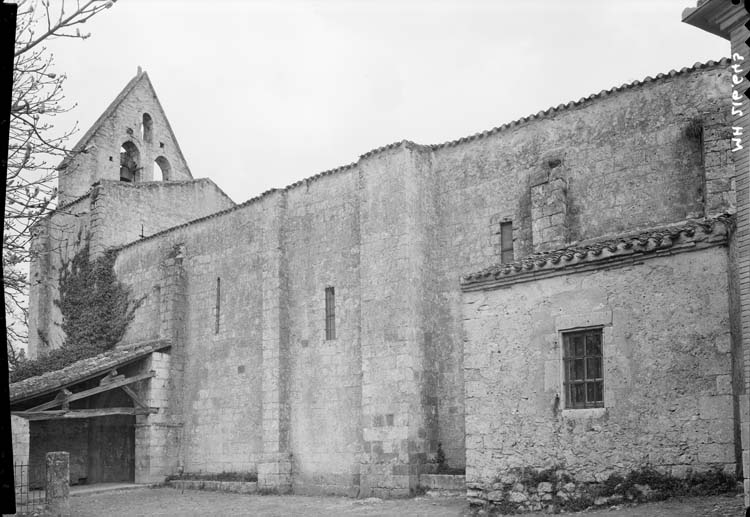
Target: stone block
x=57 y=487
x=544 y=487
x=517 y=497
x=495 y=495
x=716 y=453
x=724 y=384
x=719 y=407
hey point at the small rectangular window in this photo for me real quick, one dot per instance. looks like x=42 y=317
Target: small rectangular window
x=330 y=314
x=217 y=310
x=506 y=242
x=582 y=361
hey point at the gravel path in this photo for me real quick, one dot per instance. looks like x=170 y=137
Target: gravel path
x=170 y=502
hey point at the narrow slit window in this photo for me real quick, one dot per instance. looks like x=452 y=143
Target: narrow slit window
x=584 y=378
x=217 y=310
x=147 y=127
x=506 y=242
x=330 y=314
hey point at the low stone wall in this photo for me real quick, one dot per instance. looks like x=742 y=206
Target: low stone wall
x=553 y=490
x=435 y=484
x=238 y=487
x=520 y=497
x=443 y=484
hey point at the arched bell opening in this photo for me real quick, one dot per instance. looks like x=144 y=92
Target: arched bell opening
x=130 y=163
x=162 y=169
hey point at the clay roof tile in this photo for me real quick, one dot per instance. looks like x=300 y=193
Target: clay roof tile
x=647 y=241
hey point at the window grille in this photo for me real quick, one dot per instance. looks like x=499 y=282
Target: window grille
x=506 y=242
x=584 y=378
x=330 y=314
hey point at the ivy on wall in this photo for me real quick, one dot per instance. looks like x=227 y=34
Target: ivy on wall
x=96 y=310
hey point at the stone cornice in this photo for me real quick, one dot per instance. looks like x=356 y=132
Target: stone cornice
x=605 y=252
x=718 y=17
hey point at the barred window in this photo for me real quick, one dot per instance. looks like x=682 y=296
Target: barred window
x=330 y=314
x=506 y=242
x=584 y=380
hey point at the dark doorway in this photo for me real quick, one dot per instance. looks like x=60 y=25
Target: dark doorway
x=111 y=445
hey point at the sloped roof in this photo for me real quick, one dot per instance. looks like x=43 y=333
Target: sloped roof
x=83 y=370
x=140 y=76
x=691 y=234
x=543 y=114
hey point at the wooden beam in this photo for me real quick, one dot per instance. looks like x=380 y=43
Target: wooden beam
x=93 y=391
x=133 y=395
x=83 y=413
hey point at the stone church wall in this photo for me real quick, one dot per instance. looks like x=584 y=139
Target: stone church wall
x=128 y=211
x=667 y=358
x=56 y=240
x=322 y=239
x=626 y=162
x=392 y=234
x=221 y=345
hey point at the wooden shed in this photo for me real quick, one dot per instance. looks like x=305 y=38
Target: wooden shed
x=88 y=409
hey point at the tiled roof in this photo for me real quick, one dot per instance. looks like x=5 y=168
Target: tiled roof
x=552 y=111
x=548 y=113
x=82 y=370
x=656 y=241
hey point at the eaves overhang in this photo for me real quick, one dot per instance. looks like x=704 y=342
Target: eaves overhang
x=606 y=252
x=719 y=17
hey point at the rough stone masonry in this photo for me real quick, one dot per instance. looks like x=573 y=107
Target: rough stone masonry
x=329 y=335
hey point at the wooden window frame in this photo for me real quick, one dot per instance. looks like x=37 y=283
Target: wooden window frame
x=330 y=312
x=591 y=362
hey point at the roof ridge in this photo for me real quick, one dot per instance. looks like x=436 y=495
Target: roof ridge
x=551 y=111
x=724 y=61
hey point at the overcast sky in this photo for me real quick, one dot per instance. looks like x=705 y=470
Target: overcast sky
x=263 y=93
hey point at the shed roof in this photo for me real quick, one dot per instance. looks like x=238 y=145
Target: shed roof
x=83 y=370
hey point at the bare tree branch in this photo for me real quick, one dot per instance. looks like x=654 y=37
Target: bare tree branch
x=35 y=145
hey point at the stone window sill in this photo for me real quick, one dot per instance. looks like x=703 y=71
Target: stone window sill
x=581 y=414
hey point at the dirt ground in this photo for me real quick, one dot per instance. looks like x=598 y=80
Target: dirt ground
x=170 y=502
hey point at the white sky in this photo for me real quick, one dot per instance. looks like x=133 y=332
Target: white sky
x=263 y=93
